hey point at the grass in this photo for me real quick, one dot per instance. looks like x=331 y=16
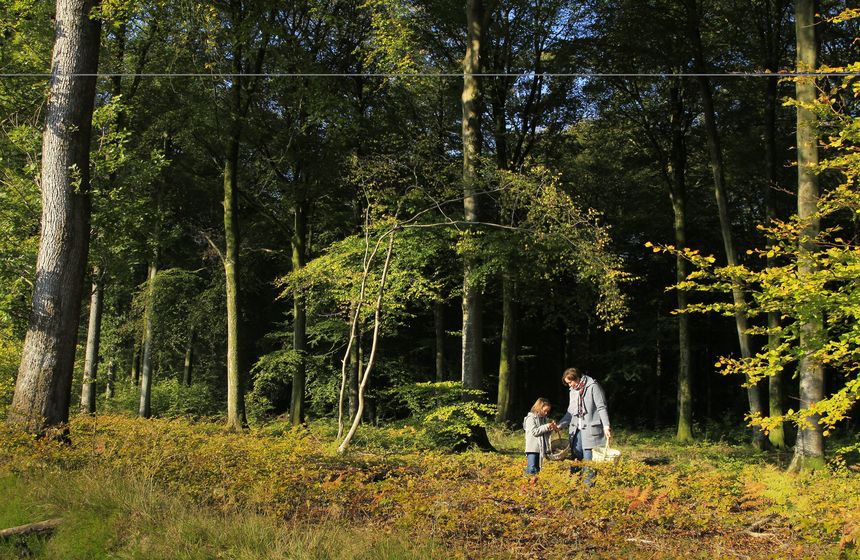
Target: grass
x=129 y=488
x=112 y=516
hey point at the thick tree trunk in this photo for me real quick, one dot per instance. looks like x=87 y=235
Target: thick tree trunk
x=299 y=240
x=188 y=366
x=508 y=358
x=678 y=178
x=473 y=372
x=809 y=449
x=718 y=172
x=144 y=409
x=439 y=330
x=43 y=386
x=91 y=362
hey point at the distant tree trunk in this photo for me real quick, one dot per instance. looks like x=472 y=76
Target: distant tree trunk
x=678 y=183
x=658 y=382
x=111 y=379
x=717 y=169
x=91 y=361
x=299 y=241
x=188 y=367
x=135 y=365
x=43 y=386
x=776 y=436
x=809 y=449
x=508 y=358
x=439 y=329
x=473 y=373
x=145 y=408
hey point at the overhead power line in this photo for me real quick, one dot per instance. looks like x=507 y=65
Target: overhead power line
x=436 y=75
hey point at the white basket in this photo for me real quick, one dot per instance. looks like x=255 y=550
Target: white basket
x=605 y=454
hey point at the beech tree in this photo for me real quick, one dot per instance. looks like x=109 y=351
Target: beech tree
x=43 y=387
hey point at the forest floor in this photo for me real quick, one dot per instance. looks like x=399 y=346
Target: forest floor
x=129 y=488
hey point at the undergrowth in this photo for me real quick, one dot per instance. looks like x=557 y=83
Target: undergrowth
x=130 y=488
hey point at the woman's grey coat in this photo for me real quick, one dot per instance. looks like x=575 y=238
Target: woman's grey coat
x=596 y=417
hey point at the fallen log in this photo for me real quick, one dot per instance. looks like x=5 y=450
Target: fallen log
x=40 y=527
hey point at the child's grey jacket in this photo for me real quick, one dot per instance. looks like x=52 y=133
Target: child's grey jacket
x=537 y=434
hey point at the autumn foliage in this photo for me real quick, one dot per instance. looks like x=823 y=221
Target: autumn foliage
x=705 y=501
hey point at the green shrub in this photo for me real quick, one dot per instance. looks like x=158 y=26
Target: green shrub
x=447 y=412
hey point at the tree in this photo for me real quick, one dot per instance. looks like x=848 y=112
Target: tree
x=718 y=170
x=43 y=387
x=476 y=26
x=809 y=448
x=814 y=288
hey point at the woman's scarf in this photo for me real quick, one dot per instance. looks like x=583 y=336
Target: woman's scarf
x=580 y=405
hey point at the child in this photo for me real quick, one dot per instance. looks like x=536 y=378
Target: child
x=537 y=436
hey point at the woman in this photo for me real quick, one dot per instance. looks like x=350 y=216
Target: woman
x=586 y=418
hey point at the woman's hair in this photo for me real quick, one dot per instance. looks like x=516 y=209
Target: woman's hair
x=571 y=374
x=539 y=404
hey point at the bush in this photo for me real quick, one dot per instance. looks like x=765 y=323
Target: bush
x=169 y=398
x=10 y=355
x=447 y=412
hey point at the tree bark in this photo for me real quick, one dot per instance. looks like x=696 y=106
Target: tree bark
x=135 y=365
x=40 y=527
x=111 y=379
x=718 y=172
x=91 y=362
x=144 y=409
x=508 y=358
x=235 y=395
x=809 y=449
x=43 y=386
x=355 y=367
x=678 y=178
x=776 y=436
x=299 y=240
x=439 y=330
x=371 y=359
x=188 y=366
x=473 y=374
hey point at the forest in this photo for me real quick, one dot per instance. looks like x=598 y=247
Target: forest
x=282 y=279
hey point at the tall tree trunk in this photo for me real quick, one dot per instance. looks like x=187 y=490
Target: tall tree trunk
x=776 y=436
x=299 y=240
x=508 y=358
x=91 y=361
x=473 y=373
x=678 y=178
x=188 y=366
x=718 y=172
x=235 y=394
x=44 y=382
x=809 y=449
x=144 y=409
x=439 y=330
